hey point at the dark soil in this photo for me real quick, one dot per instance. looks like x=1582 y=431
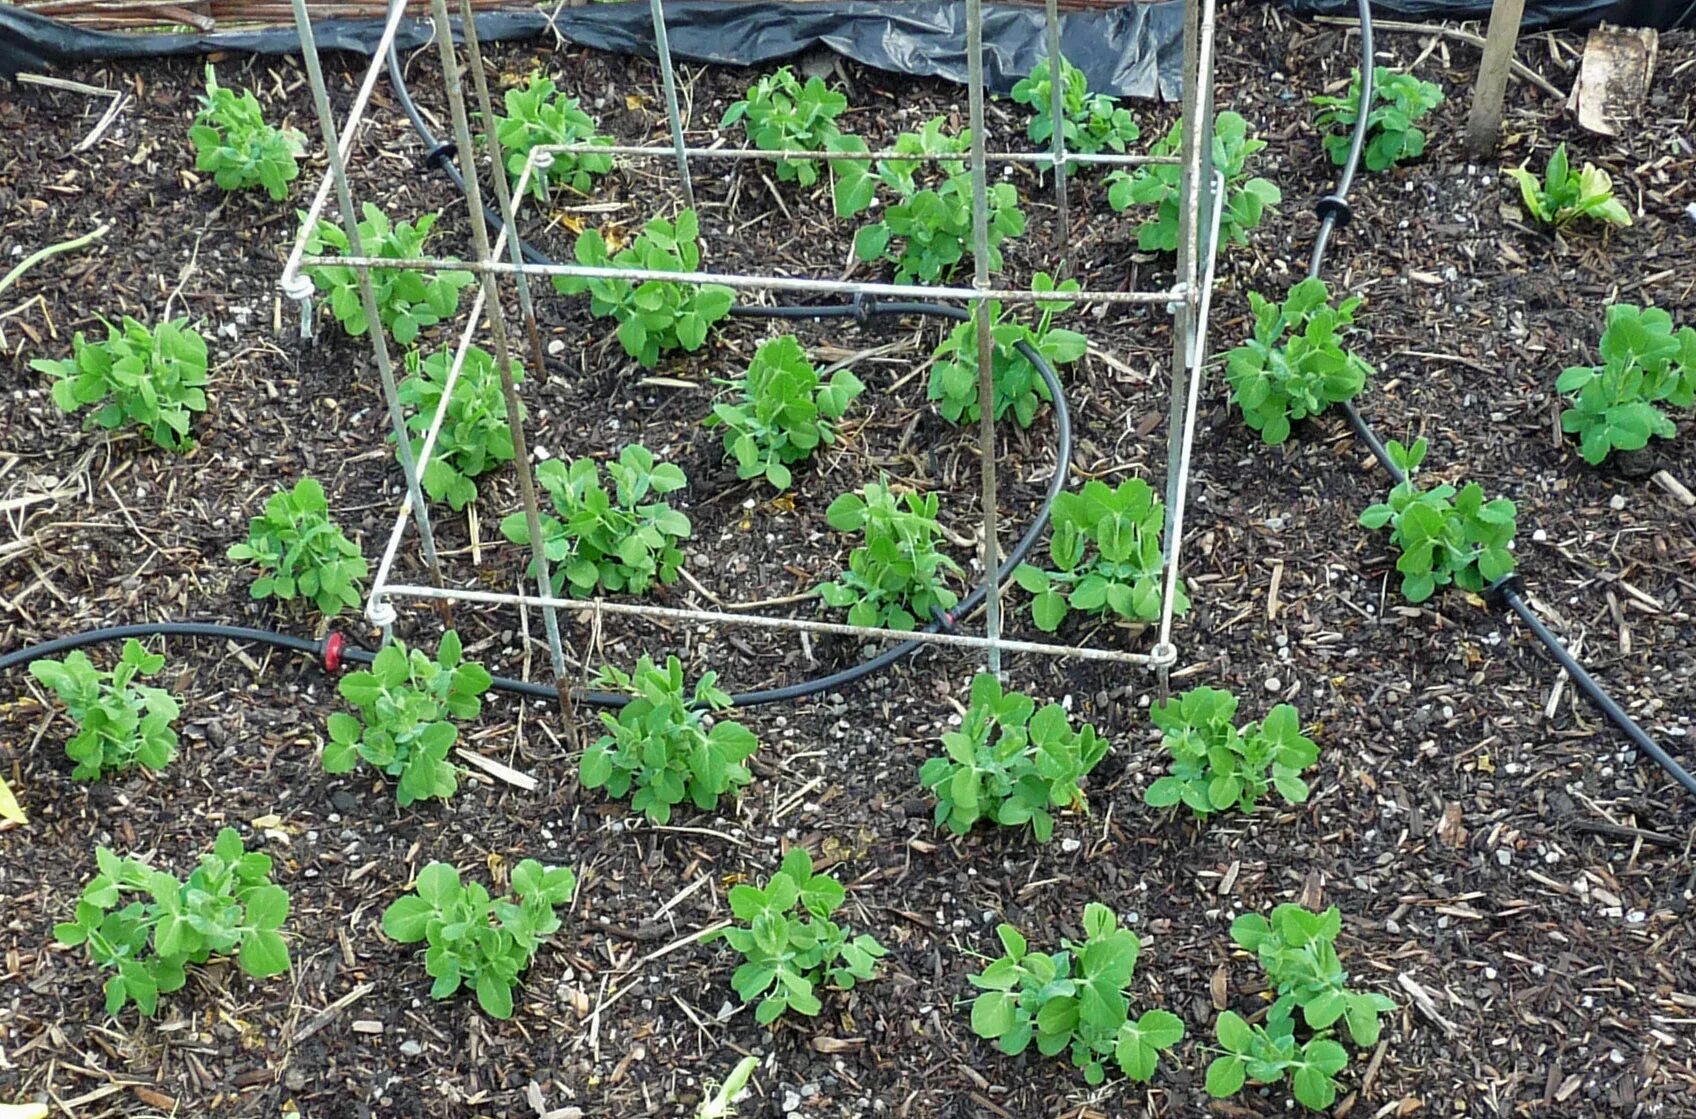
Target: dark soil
x=1508 y=871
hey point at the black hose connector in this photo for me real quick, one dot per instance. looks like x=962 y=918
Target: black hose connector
x=1335 y=207
x=1496 y=594
x=440 y=155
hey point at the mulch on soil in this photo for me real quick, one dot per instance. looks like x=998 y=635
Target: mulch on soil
x=1508 y=871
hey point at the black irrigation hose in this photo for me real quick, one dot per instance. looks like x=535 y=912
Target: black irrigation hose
x=1506 y=592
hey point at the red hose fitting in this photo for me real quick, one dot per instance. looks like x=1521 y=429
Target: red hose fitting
x=333 y=643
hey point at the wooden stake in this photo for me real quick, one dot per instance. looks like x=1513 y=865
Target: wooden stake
x=1484 y=121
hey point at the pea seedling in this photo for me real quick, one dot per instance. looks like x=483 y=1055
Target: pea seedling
x=233 y=142
x=1566 y=195
x=1019 y=388
x=476 y=939
x=474 y=437
x=1295 y=365
x=153 y=378
x=1217 y=766
x=784 y=412
x=538 y=114
x=1445 y=536
x=228 y=906
x=406 y=703
x=660 y=744
x=1614 y=406
x=789 y=944
x=408 y=301
x=619 y=542
x=894 y=579
x=1105 y=547
x=1010 y=763
x=301 y=552
x=1246 y=199
x=120 y=724
x=780 y=114
x=1399 y=101
x=1073 y=1000
x=1094 y=121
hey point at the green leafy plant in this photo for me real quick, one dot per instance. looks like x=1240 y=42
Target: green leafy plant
x=228 y=906
x=857 y=181
x=1399 y=101
x=408 y=301
x=474 y=938
x=1295 y=366
x=152 y=378
x=1268 y=1053
x=1019 y=388
x=1298 y=951
x=232 y=140
x=538 y=114
x=1444 y=536
x=654 y=316
x=720 y=1103
x=789 y=944
x=1613 y=406
x=1105 y=547
x=475 y=437
x=406 y=703
x=617 y=542
x=1217 y=766
x=780 y=114
x=1565 y=195
x=1246 y=199
x=1073 y=1000
x=120 y=724
x=928 y=232
x=1094 y=121
x=784 y=412
x=662 y=744
x=895 y=578
x=1010 y=763
x=301 y=552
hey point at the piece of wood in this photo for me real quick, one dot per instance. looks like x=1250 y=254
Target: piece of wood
x=1484 y=120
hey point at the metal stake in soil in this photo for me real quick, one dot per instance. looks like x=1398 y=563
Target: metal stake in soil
x=673 y=117
x=1056 y=113
x=983 y=317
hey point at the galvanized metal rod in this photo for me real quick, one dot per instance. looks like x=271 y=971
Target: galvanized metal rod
x=496 y=315
x=673 y=116
x=650 y=151
x=983 y=314
x=758 y=621
x=497 y=171
x=367 y=296
x=1057 y=112
x=757 y=283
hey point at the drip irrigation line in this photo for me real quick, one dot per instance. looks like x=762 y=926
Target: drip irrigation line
x=1507 y=592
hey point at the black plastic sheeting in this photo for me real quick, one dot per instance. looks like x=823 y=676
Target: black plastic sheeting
x=1663 y=14
x=1131 y=51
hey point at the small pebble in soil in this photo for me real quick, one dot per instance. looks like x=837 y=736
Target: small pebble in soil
x=1273 y=683
x=1070 y=845
x=556 y=347
x=411 y=1048
x=1616 y=502
x=1505 y=857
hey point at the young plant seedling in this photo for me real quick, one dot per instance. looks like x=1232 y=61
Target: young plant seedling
x=928 y=232
x=1010 y=763
x=1105 y=547
x=474 y=438
x=654 y=317
x=781 y=114
x=1614 y=406
x=660 y=743
x=228 y=906
x=474 y=938
x=857 y=181
x=406 y=702
x=1246 y=199
x=1566 y=195
x=232 y=140
x=1073 y=1000
x=617 y=542
x=154 y=379
x=1399 y=101
x=1094 y=121
x=1216 y=766
x=407 y=301
x=720 y=1103
x=1295 y=366
x=894 y=579
x=783 y=414
x=1269 y=1053
x=1019 y=388
x=790 y=946
x=301 y=552
x=1444 y=536
x=1298 y=950
x=538 y=114
x=120 y=724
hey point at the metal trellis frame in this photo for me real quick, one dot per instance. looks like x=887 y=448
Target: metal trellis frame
x=1187 y=299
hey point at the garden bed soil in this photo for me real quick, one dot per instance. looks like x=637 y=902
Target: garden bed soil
x=1507 y=870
